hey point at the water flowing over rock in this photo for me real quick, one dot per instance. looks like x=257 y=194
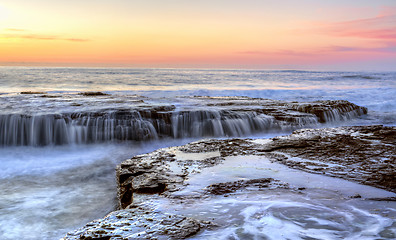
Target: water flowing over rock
x=207 y=117
x=178 y=177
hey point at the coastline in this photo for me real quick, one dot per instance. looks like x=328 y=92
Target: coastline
x=336 y=161
x=53 y=173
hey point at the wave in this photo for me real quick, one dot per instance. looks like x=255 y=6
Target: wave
x=361 y=76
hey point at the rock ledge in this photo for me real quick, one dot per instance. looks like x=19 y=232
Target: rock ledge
x=363 y=154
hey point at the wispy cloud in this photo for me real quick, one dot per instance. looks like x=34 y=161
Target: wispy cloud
x=387 y=49
x=320 y=51
x=280 y=52
x=14 y=30
x=375 y=35
x=381 y=27
x=24 y=34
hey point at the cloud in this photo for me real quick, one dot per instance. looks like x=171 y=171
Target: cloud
x=279 y=52
x=380 y=27
x=320 y=51
x=386 y=49
x=15 y=30
x=340 y=49
x=22 y=34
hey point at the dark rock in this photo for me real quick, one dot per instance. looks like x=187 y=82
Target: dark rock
x=356 y=196
x=32 y=92
x=230 y=187
x=327 y=111
x=365 y=154
x=213 y=117
x=139 y=223
x=355 y=153
x=148 y=176
x=389 y=199
x=49 y=96
x=93 y=94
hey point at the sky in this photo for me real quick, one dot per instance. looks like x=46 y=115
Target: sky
x=252 y=34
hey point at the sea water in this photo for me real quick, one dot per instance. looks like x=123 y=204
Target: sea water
x=50 y=190
x=323 y=208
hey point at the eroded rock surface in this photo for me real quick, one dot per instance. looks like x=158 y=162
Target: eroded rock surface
x=230 y=187
x=363 y=154
x=139 y=223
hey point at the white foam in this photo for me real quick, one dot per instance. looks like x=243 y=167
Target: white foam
x=324 y=210
x=281 y=214
x=49 y=191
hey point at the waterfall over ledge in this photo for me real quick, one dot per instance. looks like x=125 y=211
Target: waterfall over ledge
x=213 y=117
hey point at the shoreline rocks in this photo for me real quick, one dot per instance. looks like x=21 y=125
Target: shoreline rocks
x=362 y=154
x=138 y=120
x=140 y=223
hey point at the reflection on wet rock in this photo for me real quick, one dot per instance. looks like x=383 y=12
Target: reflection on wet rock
x=312 y=183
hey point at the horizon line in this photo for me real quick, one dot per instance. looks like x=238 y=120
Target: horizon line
x=322 y=68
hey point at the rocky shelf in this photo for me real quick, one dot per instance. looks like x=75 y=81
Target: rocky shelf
x=135 y=119
x=180 y=175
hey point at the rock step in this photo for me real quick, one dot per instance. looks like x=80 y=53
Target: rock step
x=363 y=154
x=225 y=118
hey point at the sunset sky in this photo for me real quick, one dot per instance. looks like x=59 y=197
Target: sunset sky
x=267 y=34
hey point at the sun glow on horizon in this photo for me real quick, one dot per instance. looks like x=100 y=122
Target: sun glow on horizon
x=252 y=34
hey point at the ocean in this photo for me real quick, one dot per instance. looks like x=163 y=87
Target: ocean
x=56 y=176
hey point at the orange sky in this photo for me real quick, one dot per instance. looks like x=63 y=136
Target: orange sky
x=218 y=34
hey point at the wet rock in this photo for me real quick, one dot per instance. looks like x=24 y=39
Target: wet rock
x=328 y=111
x=207 y=117
x=239 y=116
x=156 y=173
x=230 y=187
x=144 y=175
x=388 y=199
x=93 y=94
x=49 y=96
x=363 y=154
x=32 y=92
x=139 y=223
